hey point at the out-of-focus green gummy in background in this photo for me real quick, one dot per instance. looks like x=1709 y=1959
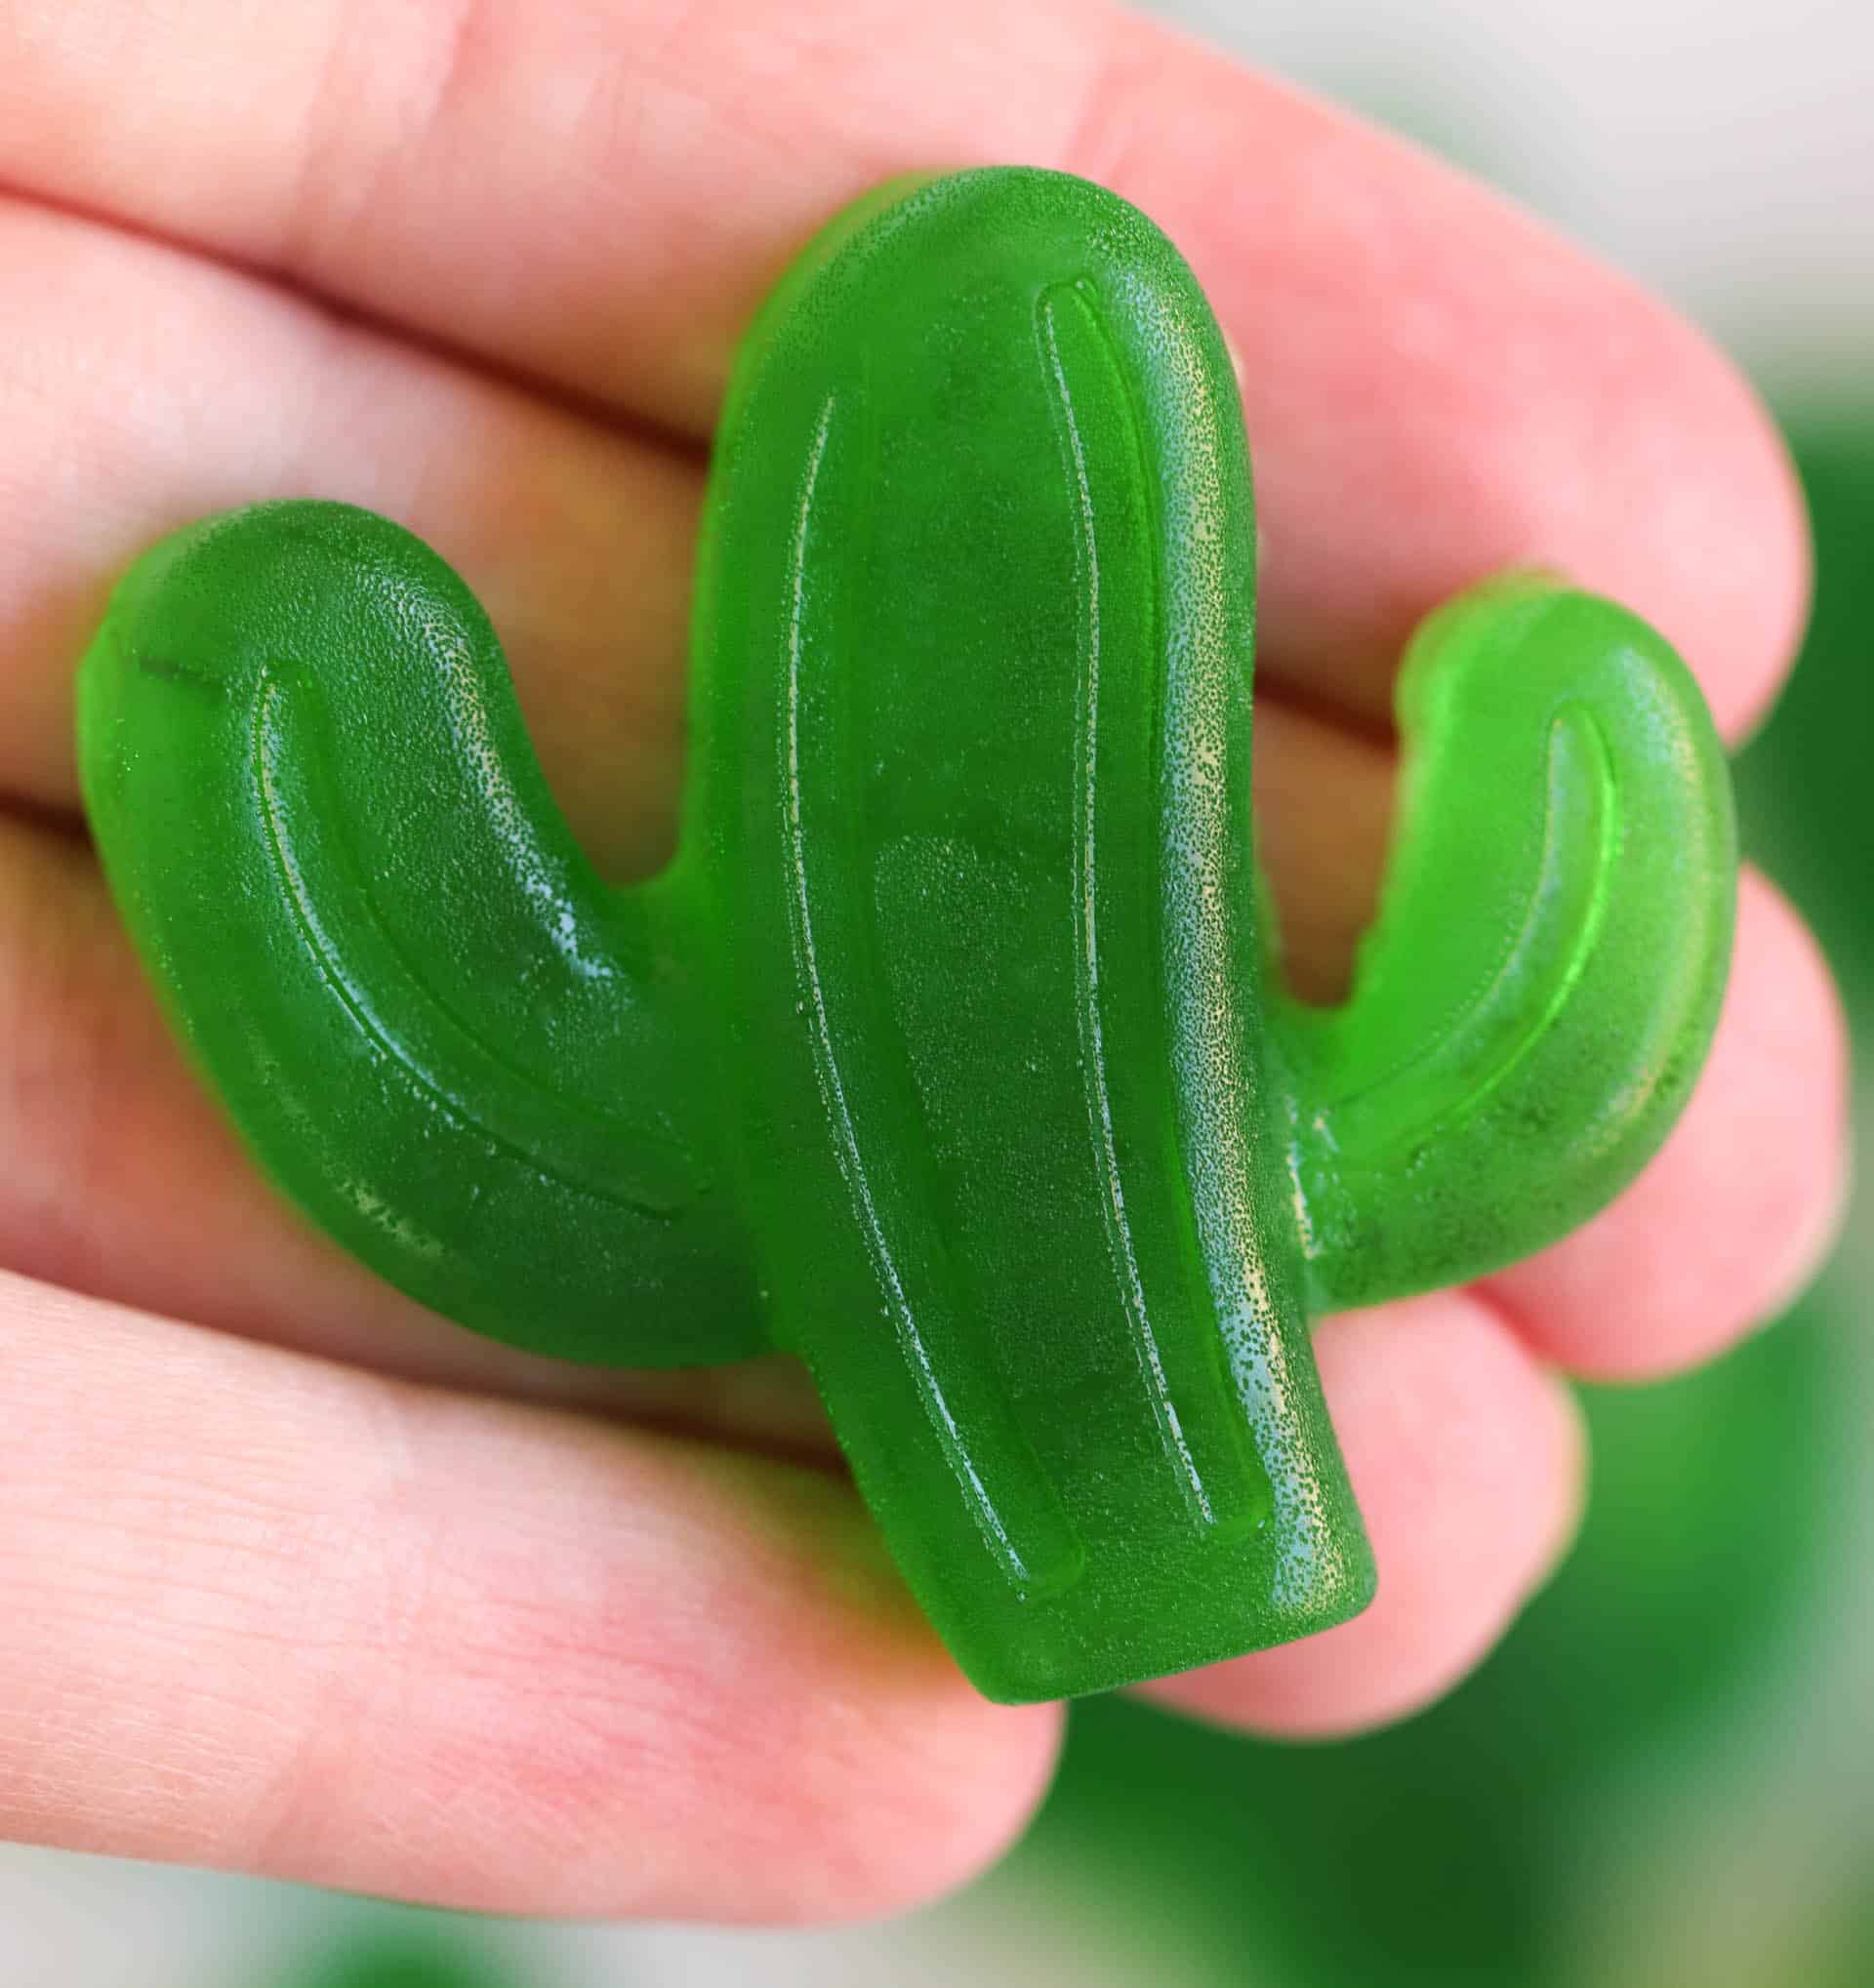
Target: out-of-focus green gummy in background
x=951 y=1054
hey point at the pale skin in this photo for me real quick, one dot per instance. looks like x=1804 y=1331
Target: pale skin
x=297 y=1579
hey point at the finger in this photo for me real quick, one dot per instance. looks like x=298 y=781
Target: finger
x=1468 y=1461
x=272 y=1615
x=1735 y=1214
x=141 y=388
x=118 y=1178
x=1323 y=799
x=1435 y=386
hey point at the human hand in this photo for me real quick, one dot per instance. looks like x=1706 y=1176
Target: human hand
x=292 y=1576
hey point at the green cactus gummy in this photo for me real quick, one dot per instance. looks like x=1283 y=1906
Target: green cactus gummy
x=947 y=1053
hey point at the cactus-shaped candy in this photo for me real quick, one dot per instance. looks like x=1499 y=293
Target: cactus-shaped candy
x=947 y=1054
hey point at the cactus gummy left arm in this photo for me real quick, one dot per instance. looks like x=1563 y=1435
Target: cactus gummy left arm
x=943 y=1053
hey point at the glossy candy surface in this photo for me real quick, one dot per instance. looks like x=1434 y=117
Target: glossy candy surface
x=950 y=1053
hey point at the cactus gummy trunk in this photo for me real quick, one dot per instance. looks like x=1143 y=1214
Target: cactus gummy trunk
x=1035 y=1237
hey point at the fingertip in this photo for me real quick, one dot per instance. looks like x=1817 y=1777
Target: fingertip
x=1469 y=1461
x=1701 y=526
x=1438 y=385
x=958 y=1782
x=747 y=1720
x=901 y=1782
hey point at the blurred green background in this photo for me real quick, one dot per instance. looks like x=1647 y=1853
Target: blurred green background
x=1665 y=1775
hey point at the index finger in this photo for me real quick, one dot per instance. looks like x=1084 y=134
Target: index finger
x=269 y=1614
x=596 y=194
